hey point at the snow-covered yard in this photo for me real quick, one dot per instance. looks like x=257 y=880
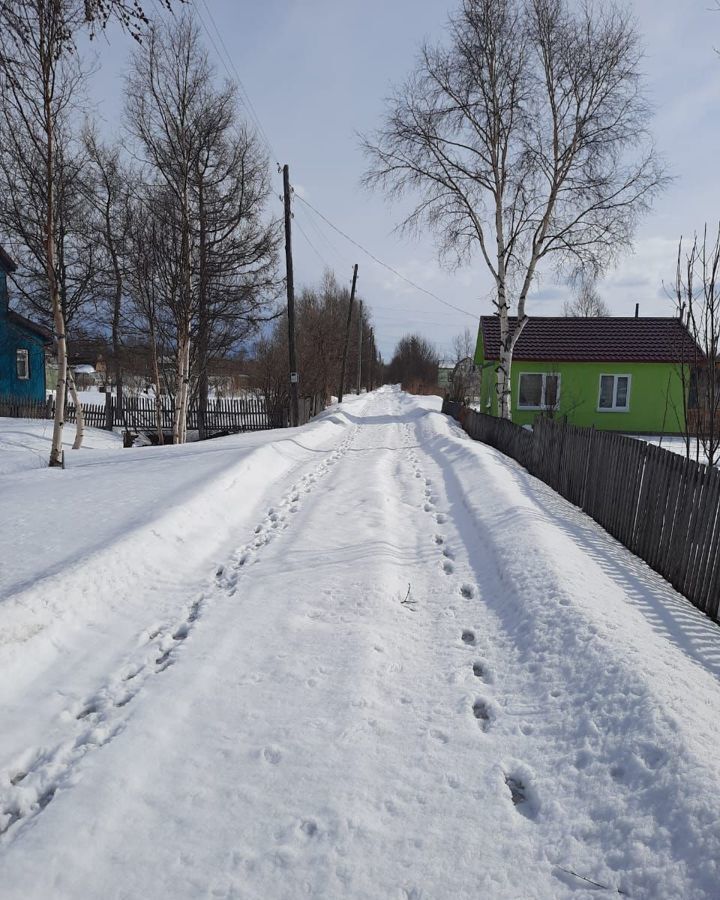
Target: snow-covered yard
x=368 y=658
x=675 y=444
x=25 y=443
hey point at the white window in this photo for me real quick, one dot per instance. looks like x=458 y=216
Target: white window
x=614 y=393
x=22 y=364
x=538 y=390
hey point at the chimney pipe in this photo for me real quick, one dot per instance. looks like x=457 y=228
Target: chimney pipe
x=637 y=310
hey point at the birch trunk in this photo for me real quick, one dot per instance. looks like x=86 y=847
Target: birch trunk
x=181 y=389
x=179 y=380
x=156 y=374
x=185 y=391
x=79 y=415
x=56 y=450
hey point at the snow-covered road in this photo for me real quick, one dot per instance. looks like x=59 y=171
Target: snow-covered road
x=366 y=659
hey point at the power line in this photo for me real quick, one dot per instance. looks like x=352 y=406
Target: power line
x=384 y=264
x=314 y=248
x=342 y=256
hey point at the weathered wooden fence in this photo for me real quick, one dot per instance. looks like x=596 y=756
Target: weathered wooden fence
x=221 y=416
x=141 y=414
x=661 y=506
x=24 y=409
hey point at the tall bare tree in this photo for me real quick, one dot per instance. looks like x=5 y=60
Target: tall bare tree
x=38 y=63
x=526 y=140
x=586 y=303
x=37 y=71
x=697 y=295
x=164 y=98
x=108 y=194
x=414 y=365
x=235 y=274
x=321 y=318
x=214 y=172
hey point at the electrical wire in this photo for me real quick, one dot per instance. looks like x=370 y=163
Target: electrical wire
x=344 y=257
x=384 y=264
x=314 y=248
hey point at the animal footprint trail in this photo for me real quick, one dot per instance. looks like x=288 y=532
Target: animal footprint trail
x=482 y=713
x=97 y=719
x=276 y=519
x=517 y=789
x=522 y=792
x=38 y=776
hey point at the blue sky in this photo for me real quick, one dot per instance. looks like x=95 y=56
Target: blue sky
x=317 y=72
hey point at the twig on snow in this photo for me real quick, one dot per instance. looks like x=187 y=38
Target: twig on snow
x=407 y=602
x=605 y=887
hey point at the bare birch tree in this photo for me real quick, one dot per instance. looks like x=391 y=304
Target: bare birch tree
x=38 y=62
x=586 y=303
x=37 y=68
x=697 y=295
x=525 y=140
x=164 y=100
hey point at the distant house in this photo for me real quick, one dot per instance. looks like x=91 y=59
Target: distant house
x=445 y=373
x=22 y=346
x=617 y=374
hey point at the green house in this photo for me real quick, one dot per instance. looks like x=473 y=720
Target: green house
x=616 y=374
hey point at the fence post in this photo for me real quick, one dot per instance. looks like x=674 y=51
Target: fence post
x=109 y=412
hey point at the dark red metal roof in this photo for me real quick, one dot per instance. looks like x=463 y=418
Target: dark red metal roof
x=6 y=261
x=611 y=339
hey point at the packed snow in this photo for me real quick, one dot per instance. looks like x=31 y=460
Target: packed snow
x=366 y=658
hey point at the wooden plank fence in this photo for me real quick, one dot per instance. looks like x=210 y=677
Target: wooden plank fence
x=140 y=414
x=661 y=506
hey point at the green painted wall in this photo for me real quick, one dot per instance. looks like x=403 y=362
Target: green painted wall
x=655 y=394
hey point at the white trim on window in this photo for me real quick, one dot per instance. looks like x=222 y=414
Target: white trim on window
x=614 y=407
x=22 y=364
x=543 y=404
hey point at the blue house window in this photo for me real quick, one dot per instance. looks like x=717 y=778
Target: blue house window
x=22 y=364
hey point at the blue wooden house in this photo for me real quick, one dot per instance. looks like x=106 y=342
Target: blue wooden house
x=22 y=346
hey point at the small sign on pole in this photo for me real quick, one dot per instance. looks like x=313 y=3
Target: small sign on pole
x=294 y=378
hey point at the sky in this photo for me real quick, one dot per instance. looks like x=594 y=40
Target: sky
x=317 y=73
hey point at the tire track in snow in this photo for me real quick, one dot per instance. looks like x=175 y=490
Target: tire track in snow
x=29 y=785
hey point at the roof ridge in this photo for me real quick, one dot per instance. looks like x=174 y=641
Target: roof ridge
x=602 y=339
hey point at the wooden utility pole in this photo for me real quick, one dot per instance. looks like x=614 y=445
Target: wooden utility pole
x=294 y=415
x=347 y=335
x=360 y=337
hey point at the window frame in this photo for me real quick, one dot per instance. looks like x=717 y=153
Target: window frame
x=615 y=376
x=543 y=405
x=26 y=352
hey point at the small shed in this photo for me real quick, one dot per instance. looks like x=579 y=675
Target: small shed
x=22 y=346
